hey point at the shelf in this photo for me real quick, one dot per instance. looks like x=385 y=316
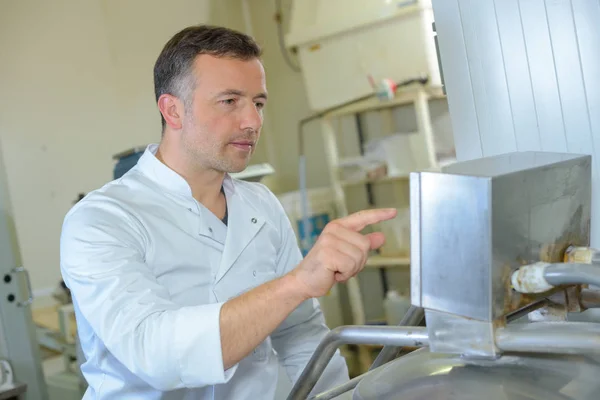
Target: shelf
x=385 y=179
x=13 y=391
x=383 y=262
x=403 y=97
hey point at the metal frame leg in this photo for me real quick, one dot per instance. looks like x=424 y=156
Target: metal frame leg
x=18 y=341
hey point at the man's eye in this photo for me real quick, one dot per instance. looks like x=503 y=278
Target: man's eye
x=260 y=106
x=228 y=101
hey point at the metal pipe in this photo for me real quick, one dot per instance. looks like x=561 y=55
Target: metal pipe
x=590 y=298
x=526 y=310
x=550 y=337
x=378 y=335
x=572 y=274
x=413 y=317
x=339 y=390
x=346 y=387
x=541 y=276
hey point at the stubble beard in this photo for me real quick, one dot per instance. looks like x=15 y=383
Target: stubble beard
x=211 y=156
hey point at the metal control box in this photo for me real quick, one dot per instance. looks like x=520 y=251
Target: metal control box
x=475 y=222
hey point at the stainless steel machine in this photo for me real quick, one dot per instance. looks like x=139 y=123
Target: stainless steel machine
x=493 y=240
x=21 y=374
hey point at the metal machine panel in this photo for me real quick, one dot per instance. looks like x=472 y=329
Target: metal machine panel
x=549 y=54
x=18 y=341
x=447 y=205
x=479 y=220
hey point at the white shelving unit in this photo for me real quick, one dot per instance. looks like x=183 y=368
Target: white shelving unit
x=422 y=147
x=377 y=261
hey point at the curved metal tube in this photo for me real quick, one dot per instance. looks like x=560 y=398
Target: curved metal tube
x=590 y=298
x=572 y=274
x=550 y=337
x=336 y=391
x=413 y=317
x=541 y=277
x=526 y=310
x=380 y=335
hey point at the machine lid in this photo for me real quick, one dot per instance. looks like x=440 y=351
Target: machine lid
x=423 y=375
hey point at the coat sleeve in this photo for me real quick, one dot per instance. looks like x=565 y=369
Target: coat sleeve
x=297 y=338
x=103 y=264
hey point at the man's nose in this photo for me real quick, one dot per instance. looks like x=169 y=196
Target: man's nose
x=252 y=118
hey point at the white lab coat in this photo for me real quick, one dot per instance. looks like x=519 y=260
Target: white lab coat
x=149 y=269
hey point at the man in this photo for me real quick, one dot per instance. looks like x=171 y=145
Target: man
x=186 y=283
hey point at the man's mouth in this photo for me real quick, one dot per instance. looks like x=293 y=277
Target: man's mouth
x=245 y=145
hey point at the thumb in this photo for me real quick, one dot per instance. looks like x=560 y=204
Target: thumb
x=377 y=240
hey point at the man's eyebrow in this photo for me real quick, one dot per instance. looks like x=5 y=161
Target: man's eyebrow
x=235 y=92
x=261 y=96
x=230 y=92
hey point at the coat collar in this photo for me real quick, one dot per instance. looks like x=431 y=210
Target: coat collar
x=245 y=219
x=160 y=174
x=165 y=177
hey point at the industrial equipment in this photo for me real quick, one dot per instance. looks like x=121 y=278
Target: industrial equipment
x=479 y=231
x=20 y=361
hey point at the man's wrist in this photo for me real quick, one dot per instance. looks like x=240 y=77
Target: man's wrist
x=292 y=289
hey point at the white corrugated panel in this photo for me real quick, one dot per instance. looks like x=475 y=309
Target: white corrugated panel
x=523 y=75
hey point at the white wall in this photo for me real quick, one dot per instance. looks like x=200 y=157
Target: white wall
x=136 y=31
x=76 y=83
x=287 y=105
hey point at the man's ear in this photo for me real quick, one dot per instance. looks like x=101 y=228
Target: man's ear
x=172 y=110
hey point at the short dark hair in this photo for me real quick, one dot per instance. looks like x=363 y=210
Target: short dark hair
x=172 y=70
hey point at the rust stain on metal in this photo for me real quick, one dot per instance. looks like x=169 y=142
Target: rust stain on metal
x=520 y=300
x=579 y=254
x=571 y=246
x=514 y=300
x=526 y=281
x=554 y=252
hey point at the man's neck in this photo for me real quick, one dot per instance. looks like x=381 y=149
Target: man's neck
x=205 y=183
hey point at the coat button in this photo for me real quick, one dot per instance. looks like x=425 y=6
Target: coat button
x=254 y=272
x=210 y=229
x=253 y=220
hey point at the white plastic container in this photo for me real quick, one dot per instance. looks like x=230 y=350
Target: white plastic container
x=396 y=305
x=358 y=168
x=402 y=152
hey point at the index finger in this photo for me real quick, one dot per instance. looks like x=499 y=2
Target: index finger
x=359 y=220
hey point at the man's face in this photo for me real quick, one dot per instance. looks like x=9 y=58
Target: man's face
x=222 y=126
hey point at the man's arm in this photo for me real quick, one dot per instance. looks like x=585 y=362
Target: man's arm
x=248 y=319
x=169 y=346
x=102 y=252
x=339 y=254
x=297 y=338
